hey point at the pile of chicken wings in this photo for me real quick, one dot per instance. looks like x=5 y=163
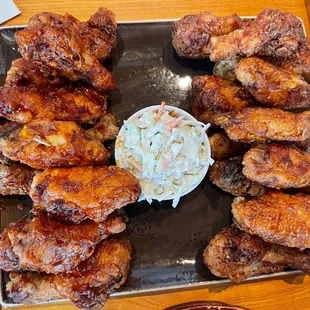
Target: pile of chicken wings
x=54 y=102
x=258 y=104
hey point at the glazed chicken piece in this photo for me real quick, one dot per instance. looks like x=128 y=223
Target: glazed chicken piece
x=191 y=35
x=15 y=179
x=263 y=124
x=222 y=147
x=43 y=144
x=24 y=72
x=75 y=194
x=227 y=175
x=87 y=286
x=47 y=245
x=272 y=33
x=277 y=166
x=275 y=217
x=106 y=129
x=213 y=96
x=70 y=48
x=69 y=103
x=237 y=255
x=298 y=62
x=273 y=86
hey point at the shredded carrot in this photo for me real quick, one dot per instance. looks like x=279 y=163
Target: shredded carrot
x=130 y=161
x=175 y=123
x=160 y=111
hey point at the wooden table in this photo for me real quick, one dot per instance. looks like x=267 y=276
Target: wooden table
x=289 y=293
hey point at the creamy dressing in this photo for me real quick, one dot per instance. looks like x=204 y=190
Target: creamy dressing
x=165 y=151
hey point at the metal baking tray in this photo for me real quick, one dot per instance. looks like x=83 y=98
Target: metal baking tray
x=168 y=243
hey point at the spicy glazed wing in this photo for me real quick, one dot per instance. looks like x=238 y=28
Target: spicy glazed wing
x=273 y=86
x=69 y=103
x=191 y=35
x=277 y=166
x=47 y=245
x=237 y=255
x=89 y=285
x=227 y=175
x=263 y=124
x=272 y=33
x=75 y=194
x=43 y=144
x=68 y=47
x=275 y=217
x=212 y=96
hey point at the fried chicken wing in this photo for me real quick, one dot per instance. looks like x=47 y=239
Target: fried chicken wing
x=105 y=129
x=227 y=175
x=272 y=33
x=273 y=86
x=222 y=147
x=15 y=179
x=76 y=103
x=238 y=255
x=70 y=48
x=45 y=244
x=75 y=194
x=42 y=144
x=87 y=286
x=275 y=217
x=191 y=35
x=31 y=288
x=212 y=96
x=298 y=62
x=263 y=124
x=277 y=166
x=24 y=72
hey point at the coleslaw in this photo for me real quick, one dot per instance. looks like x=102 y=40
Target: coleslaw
x=168 y=152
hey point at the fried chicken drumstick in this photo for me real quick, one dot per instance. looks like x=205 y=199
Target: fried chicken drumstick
x=191 y=35
x=273 y=86
x=45 y=244
x=227 y=175
x=42 y=144
x=275 y=217
x=89 y=285
x=213 y=96
x=66 y=47
x=277 y=166
x=272 y=33
x=75 y=194
x=237 y=255
x=263 y=124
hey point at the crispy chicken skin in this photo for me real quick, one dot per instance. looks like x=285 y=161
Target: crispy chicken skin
x=298 y=62
x=263 y=124
x=31 y=288
x=275 y=217
x=273 y=86
x=43 y=144
x=277 y=166
x=191 y=35
x=238 y=255
x=222 y=147
x=272 y=33
x=212 y=96
x=87 y=286
x=227 y=175
x=75 y=194
x=70 y=48
x=15 y=179
x=106 y=129
x=70 y=103
x=47 y=245
x=24 y=72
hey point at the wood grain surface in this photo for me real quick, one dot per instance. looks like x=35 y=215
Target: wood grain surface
x=285 y=294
